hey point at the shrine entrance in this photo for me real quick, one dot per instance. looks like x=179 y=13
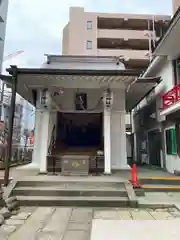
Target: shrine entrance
x=79 y=130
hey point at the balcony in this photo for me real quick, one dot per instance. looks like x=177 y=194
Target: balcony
x=128 y=54
x=123 y=34
x=130 y=23
x=121 y=43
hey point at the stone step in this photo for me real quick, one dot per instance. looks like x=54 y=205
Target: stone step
x=71 y=184
x=60 y=191
x=160 y=188
x=74 y=201
x=161 y=180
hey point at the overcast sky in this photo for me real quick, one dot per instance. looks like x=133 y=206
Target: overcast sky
x=35 y=26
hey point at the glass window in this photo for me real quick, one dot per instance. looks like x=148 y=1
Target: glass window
x=89 y=25
x=89 y=45
x=171 y=144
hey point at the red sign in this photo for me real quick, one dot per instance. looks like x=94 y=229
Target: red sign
x=31 y=138
x=171 y=97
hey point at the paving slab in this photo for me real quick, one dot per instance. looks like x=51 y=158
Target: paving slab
x=134 y=230
x=59 y=220
x=77 y=235
x=125 y=215
x=3 y=235
x=81 y=215
x=79 y=226
x=161 y=215
x=21 y=216
x=8 y=229
x=141 y=215
x=109 y=214
x=14 y=222
x=33 y=224
x=47 y=236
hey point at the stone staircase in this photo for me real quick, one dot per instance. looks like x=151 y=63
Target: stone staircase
x=160 y=184
x=74 y=193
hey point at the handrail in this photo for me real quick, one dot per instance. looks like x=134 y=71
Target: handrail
x=52 y=141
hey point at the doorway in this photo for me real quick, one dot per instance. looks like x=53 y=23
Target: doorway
x=154 y=145
x=79 y=130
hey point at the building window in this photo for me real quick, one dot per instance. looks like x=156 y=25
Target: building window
x=89 y=25
x=176 y=71
x=171 y=144
x=89 y=44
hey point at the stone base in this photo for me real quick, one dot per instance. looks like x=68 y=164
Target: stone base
x=107 y=174
x=30 y=166
x=125 y=167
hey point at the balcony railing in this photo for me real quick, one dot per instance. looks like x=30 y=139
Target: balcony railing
x=171 y=97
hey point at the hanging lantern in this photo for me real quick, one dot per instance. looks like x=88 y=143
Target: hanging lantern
x=108 y=98
x=44 y=97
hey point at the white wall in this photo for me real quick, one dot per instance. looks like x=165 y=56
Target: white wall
x=128 y=147
x=166 y=72
x=66 y=100
x=118 y=131
x=172 y=161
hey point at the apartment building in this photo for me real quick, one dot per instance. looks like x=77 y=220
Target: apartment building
x=3 y=21
x=175 y=5
x=130 y=36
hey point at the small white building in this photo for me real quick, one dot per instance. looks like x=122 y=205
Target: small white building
x=163 y=103
x=82 y=102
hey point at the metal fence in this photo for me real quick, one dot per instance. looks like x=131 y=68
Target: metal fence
x=19 y=154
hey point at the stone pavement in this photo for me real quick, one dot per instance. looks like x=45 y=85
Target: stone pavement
x=162 y=198
x=48 y=223
x=135 y=230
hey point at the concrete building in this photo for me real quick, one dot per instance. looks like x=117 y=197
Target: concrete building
x=24 y=116
x=176 y=4
x=156 y=118
x=3 y=21
x=131 y=36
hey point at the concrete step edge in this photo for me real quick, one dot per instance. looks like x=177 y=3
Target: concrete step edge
x=35 y=188
x=51 y=198
x=155 y=186
x=161 y=178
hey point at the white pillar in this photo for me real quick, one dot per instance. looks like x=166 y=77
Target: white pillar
x=37 y=139
x=107 y=141
x=123 y=149
x=118 y=140
x=44 y=140
x=41 y=137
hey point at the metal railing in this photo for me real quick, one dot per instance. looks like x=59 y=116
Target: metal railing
x=20 y=154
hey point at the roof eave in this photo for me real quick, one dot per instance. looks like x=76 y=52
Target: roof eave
x=173 y=22
x=80 y=72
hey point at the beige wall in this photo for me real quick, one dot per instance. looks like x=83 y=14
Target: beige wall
x=176 y=5
x=65 y=40
x=76 y=34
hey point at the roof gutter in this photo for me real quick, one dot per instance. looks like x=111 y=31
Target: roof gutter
x=152 y=66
